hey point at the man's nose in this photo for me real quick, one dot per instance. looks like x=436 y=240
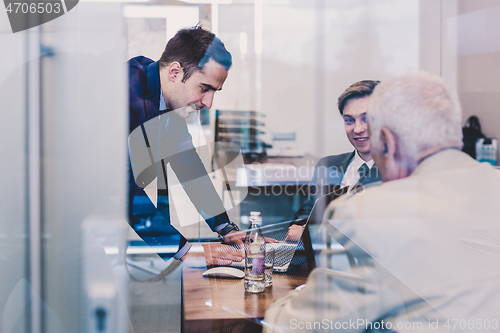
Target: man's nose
x=360 y=127
x=207 y=99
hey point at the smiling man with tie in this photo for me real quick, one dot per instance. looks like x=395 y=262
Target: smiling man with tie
x=348 y=169
x=356 y=167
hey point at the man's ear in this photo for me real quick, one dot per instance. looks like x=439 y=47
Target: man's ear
x=174 y=70
x=388 y=140
x=390 y=158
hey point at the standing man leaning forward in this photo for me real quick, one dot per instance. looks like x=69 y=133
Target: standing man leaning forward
x=348 y=169
x=426 y=240
x=162 y=94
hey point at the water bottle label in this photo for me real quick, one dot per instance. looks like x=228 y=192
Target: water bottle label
x=258 y=266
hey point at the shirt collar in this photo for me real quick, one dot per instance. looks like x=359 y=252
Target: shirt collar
x=163 y=106
x=357 y=161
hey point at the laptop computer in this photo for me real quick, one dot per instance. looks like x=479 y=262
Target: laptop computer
x=285 y=252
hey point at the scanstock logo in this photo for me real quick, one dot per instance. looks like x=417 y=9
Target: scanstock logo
x=28 y=14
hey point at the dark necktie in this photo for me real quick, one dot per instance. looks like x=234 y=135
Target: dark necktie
x=363 y=173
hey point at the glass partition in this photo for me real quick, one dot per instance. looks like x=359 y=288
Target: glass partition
x=14 y=222
x=69 y=258
x=84 y=122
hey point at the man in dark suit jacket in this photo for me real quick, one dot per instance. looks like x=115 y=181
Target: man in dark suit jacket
x=348 y=169
x=162 y=94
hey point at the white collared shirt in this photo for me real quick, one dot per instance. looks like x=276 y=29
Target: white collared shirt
x=351 y=176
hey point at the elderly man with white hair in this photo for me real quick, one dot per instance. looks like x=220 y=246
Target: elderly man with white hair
x=427 y=240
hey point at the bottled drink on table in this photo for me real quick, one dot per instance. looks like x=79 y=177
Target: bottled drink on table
x=255 y=253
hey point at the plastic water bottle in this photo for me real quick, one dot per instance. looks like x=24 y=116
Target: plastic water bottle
x=255 y=254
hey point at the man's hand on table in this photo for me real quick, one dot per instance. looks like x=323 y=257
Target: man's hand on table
x=222 y=254
x=238 y=237
x=235 y=237
x=294 y=233
x=271 y=240
x=231 y=250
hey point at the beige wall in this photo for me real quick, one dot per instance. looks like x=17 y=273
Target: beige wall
x=476 y=53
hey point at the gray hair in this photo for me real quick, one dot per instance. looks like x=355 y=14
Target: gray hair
x=420 y=110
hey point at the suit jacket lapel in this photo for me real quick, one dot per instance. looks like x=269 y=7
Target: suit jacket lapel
x=344 y=163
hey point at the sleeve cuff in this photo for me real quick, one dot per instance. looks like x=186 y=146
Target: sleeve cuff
x=182 y=251
x=220 y=227
x=301 y=220
x=228 y=227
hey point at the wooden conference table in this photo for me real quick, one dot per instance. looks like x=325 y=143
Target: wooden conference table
x=222 y=305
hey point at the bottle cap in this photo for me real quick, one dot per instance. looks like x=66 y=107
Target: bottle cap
x=255 y=218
